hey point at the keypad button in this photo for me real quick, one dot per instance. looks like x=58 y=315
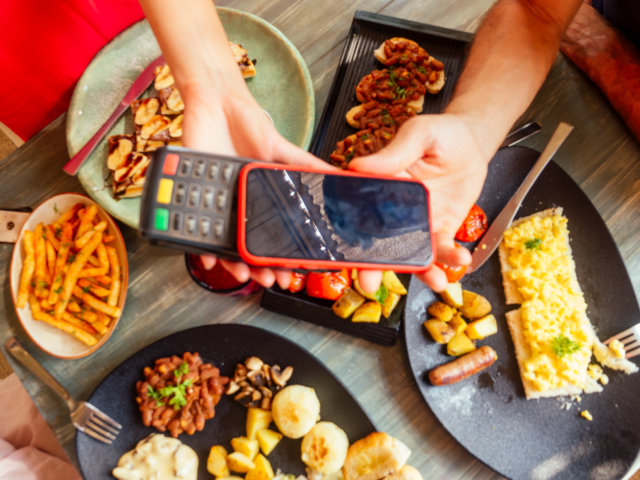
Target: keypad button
x=198 y=170
x=181 y=191
x=205 y=227
x=218 y=229
x=191 y=224
x=165 y=189
x=185 y=166
x=194 y=196
x=227 y=172
x=213 y=170
x=162 y=219
x=207 y=198
x=221 y=199
x=176 y=221
x=170 y=165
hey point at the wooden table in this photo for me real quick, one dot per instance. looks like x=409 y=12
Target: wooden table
x=601 y=155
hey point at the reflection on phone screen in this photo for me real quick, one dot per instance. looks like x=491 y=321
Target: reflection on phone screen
x=310 y=215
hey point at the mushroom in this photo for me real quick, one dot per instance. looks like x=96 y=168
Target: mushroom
x=281 y=377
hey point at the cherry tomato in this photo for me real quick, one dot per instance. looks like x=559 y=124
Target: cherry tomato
x=453 y=273
x=297 y=282
x=473 y=226
x=328 y=285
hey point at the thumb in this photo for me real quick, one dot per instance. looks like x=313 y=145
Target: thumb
x=403 y=151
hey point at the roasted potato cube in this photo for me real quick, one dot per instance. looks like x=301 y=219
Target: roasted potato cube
x=474 y=305
x=393 y=283
x=458 y=323
x=217 y=461
x=268 y=439
x=358 y=288
x=239 y=462
x=369 y=312
x=440 y=331
x=460 y=344
x=247 y=446
x=481 y=328
x=390 y=303
x=441 y=311
x=257 y=419
x=348 y=302
x=262 y=469
x=452 y=295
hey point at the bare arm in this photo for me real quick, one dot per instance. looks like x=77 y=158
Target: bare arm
x=510 y=58
x=511 y=55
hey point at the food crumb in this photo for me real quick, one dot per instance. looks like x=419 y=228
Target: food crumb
x=586 y=414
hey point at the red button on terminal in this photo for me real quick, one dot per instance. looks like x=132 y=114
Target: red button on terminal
x=170 y=166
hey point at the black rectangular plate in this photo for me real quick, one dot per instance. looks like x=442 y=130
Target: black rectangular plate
x=368 y=31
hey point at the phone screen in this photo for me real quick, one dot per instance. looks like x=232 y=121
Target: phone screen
x=302 y=215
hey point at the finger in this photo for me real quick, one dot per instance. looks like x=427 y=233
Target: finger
x=239 y=270
x=286 y=152
x=403 y=151
x=370 y=280
x=452 y=254
x=434 y=278
x=283 y=278
x=208 y=261
x=264 y=276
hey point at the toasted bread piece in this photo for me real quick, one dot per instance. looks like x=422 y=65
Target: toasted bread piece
x=437 y=85
x=374 y=457
x=351 y=115
x=241 y=56
x=407 y=472
x=380 y=54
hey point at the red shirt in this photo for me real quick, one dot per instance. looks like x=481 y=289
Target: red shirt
x=45 y=45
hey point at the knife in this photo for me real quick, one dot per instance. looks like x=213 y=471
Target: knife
x=493 y=235
x=139 y=86
x=519 y=134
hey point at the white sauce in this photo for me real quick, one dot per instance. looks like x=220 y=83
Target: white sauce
x=158 y=458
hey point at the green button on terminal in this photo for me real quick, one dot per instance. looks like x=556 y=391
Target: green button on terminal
x=162 y=219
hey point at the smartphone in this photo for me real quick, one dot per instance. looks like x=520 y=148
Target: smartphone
x=295 y=217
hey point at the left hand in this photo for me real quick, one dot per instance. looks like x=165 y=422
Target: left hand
x=439 y=150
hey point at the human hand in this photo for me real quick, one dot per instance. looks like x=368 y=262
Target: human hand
x=236 y=125
x=441 y=151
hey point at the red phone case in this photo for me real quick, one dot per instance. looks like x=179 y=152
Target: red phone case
x=308 y=264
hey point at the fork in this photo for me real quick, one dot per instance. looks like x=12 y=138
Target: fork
x=84 y=416
x=630 y=338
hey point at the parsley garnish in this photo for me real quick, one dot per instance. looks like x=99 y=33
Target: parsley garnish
x=71 y=258
x=533 y=244
x=382 y=293
x=86 y=289
x=177 y=394
x=564 y=346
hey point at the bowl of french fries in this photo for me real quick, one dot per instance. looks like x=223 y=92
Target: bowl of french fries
x=69 y=276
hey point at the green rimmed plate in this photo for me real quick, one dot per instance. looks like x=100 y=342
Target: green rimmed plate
x=291 y=104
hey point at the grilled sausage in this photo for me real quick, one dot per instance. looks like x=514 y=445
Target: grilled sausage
x=463 y=367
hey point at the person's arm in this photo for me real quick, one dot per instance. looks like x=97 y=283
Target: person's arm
x=511 y=55
x=220 y=115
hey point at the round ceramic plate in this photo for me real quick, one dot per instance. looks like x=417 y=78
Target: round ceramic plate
x=50 y=339
x=113 y=70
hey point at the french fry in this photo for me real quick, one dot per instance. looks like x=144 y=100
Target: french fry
x=28 y=268
x=67 y=216
x=115 y=276
x=50 y=235
x=93 y=272
x=51 y=258
x=104 y=280
x=41 y=261
x=84 y=239
x=61 y=262
x=97 y=290
x=72 y=275
x=108 y=238
x=73 y=306
x=81 y=324
x=81 y=335
x=101 y=324
x=86 y=221
x=95 y=303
